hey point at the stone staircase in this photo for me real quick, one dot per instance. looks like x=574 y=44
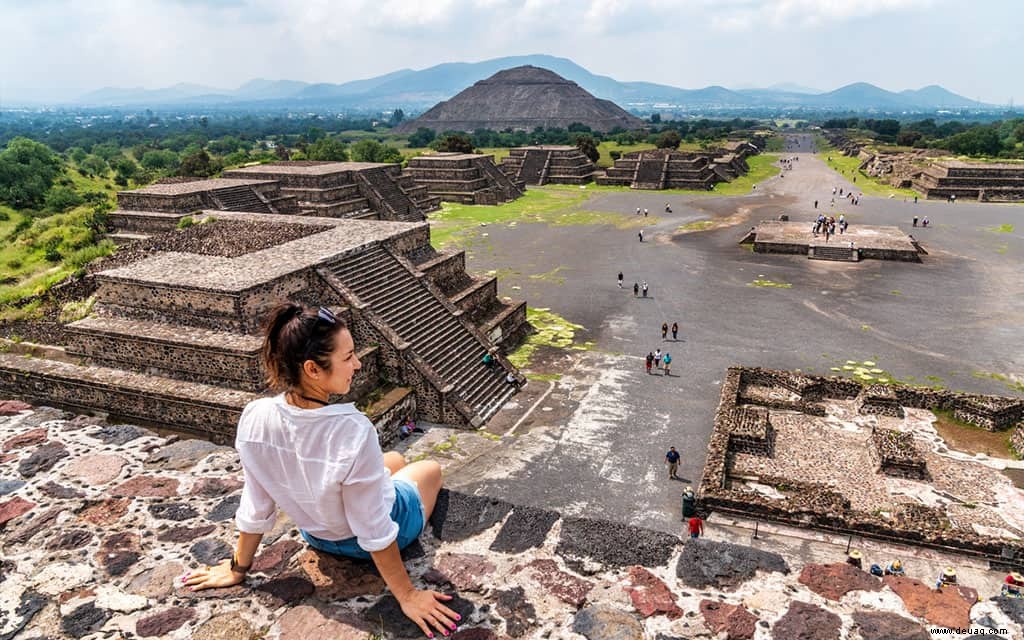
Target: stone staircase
x=241 y=198
x=509 y=187
x=649 y=173
x=378 y=184
x=435 y=331
x=531 y=171
x=837 y=253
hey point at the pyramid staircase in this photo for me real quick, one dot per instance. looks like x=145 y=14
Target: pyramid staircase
x=241 y=198
x=434 y=329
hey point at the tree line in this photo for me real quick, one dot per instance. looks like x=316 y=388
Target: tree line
x=998 y=139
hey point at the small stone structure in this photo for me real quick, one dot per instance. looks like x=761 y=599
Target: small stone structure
x=174 y=336
x=817 y=472
x=990 y=412
x=896 y=454
x=869 y=242
x=469 y=178
x=982 y=181
x=751 y=431
x=879 y=399
x=549 y=164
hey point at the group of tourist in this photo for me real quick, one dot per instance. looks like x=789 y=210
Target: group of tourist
x=1013 y=585
x=924 y=222
x=658 y=360
x=829 y=225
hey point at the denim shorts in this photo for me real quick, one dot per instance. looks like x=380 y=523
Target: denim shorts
x=407 y=511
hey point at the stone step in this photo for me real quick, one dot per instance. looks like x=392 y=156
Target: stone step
x=121 y=239
x=171 y=350
x=149 y=222
x=837 y=253
x=206 y=410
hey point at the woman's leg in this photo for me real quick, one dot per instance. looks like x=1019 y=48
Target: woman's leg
x=394 y=461
x=426 y=475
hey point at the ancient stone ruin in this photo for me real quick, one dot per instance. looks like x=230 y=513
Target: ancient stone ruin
x=981 y=181
x=366 y=190
x=173 y=336
x=549 y=164
x=522 y=99
x=656 y=169
x=834 y=447
x=468 y=178
x=869 y=242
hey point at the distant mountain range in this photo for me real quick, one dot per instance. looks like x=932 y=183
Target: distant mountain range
x=418 y=90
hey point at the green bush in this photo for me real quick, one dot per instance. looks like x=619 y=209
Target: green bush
x=186 y=222
x=85 y=255
x=51 y=251
x=61 y=199
x=14 y=263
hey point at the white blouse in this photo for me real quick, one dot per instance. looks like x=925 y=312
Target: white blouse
x=324 y=467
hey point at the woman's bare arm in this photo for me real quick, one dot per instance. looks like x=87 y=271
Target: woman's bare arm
x=221 y=575
x=422 y=607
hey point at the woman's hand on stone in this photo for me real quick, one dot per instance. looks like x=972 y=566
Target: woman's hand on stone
x=425 y=609
x=214 y=577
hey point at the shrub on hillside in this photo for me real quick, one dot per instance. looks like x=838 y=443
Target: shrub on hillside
x=61 y=199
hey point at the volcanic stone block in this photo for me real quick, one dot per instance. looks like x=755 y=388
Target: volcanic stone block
x=458 y=516
x=805 y=621
x=612 y=544
x=525 y=529
x=882 y=625
x=705 y=563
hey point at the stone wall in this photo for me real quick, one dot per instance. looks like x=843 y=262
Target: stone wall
x=1017 y=441
x=819 y=506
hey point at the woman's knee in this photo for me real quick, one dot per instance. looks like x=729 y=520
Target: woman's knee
x=394 y=461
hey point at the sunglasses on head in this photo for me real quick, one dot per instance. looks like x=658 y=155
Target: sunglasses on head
x=326 y=315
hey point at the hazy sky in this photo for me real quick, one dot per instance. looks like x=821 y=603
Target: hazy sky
x=972 y=47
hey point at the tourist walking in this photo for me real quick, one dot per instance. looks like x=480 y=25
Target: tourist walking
x=664 y=330
x=672 y=460
x=638 y=211
x=915 y=221
x=649 y=360
x=645 y=212
x=620 y=279
x=657 y=358
x=667 y=364
x=696 y=527
x=675 y=330
x=643 y=288
x=353 y=500
x=641 y=235
x=636 y=289
x=815 y=204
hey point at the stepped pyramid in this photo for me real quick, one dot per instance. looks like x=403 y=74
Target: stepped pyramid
x=174 y=336
x=523 y=98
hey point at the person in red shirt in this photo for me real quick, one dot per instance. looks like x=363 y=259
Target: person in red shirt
x=696 y=527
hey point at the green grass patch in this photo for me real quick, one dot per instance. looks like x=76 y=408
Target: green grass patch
x=76 y=309
x=769 y=284
x=849 y=168
x=550 y=276
x=545 y=377
x=1003 y=228
x=761 y=168
x=555 y=205
x=552 y=330
x=698 y=225
x=1011 y=383
x=896 y=292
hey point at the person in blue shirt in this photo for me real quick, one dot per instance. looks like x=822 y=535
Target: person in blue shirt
x=672 y=460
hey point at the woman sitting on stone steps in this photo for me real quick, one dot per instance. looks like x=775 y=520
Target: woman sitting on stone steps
x=322 y=464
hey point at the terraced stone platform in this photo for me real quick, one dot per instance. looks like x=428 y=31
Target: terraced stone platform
x=549 y=164
x=869 y=242
x=468 y=178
